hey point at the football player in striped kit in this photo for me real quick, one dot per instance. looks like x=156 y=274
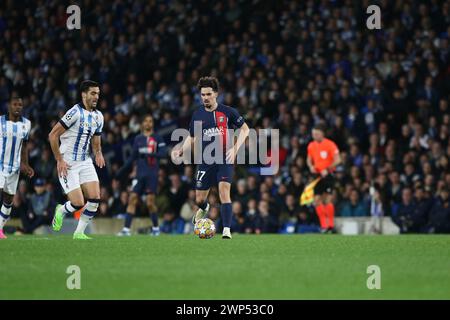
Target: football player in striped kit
x=80 y=127
x=15 y=131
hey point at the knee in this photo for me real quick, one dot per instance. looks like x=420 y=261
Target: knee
x=151 y=203
x=92 y=205
x=133 y=199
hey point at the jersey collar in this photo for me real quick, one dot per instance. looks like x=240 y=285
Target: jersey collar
x=81 y=104
x=7 y=118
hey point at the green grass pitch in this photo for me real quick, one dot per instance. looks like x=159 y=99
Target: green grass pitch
x=247 y=267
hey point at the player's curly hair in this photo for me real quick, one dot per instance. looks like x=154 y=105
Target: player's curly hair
x=208 y=82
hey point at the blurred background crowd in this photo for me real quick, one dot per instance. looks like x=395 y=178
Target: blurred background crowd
x=383 y=94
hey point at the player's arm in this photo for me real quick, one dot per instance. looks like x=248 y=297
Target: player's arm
x=309 y=159
x=243 y=134
x=310 y=164
x=96 y=143
x=188 y=144
x=239 y=122
x=336 y=160
x=53 y=138
x=25 y=166
x=97 y=149
x=162 y=150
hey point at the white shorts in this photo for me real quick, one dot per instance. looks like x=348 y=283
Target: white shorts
x=79 y=173
x=9 y=182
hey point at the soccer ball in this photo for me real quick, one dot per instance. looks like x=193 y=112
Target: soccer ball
x=205 y=228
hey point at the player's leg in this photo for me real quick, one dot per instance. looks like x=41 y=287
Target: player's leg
x=131 y=211
x=9 y=187
x=329 y=210
x=71 y=187
x=201 y=199
x=327 y=200
x=204 y=179
x=319 y=205
x=91 y=191
x=224 y=177
x=5 y=211
x=74 y=203
x=153 y=211
x=225 y=208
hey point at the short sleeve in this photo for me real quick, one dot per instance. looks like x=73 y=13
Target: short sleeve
x=70 y=117
x=99 y=129
x=28 y=130
x=235 y=118
x=333 y=148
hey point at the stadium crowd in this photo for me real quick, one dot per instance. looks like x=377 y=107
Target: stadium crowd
x=383 y=94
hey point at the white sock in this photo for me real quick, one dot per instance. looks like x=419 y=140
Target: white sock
x=68 y=208
x=5 y=213
x=126 y=229
x=83 y=223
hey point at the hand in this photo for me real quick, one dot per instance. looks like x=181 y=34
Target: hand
x=27 y=170
x=176 y=153
x=62 y=168
x=312 y=169
x=324 y=172
x=231 y=155
x=99 y=160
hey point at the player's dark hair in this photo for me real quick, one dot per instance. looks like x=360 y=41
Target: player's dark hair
x=208 y=82
x=15 y=97
x=320 y=126
x=145 y=116
x=86 y=84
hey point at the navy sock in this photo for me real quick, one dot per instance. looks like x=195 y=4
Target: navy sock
x=128 y=219
x=203 y=205
x=154 y=217
x=226 y=213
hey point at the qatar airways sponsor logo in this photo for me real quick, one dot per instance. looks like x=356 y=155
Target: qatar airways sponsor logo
x=211 y=132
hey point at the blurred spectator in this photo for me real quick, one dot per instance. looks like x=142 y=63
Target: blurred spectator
x=40 y=210
x=188 y=211
x=376 y=210
x=354 y=207
x=171 y=224
x=119 y=206
x=267 y=222
x=403 y=216
x=307 y=220
x=238 y=220
x=439 y=216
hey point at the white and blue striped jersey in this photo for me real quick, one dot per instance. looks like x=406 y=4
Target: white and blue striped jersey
x=12 y=136
x=80 y=126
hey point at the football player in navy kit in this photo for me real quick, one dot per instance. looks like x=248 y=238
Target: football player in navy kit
x=214 y=119
x=148 y=147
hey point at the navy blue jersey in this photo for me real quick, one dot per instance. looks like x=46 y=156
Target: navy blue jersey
x=146 y=152
x=215 y=123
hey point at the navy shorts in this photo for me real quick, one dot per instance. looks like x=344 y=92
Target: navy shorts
x=146 y=185
x=208 y=176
